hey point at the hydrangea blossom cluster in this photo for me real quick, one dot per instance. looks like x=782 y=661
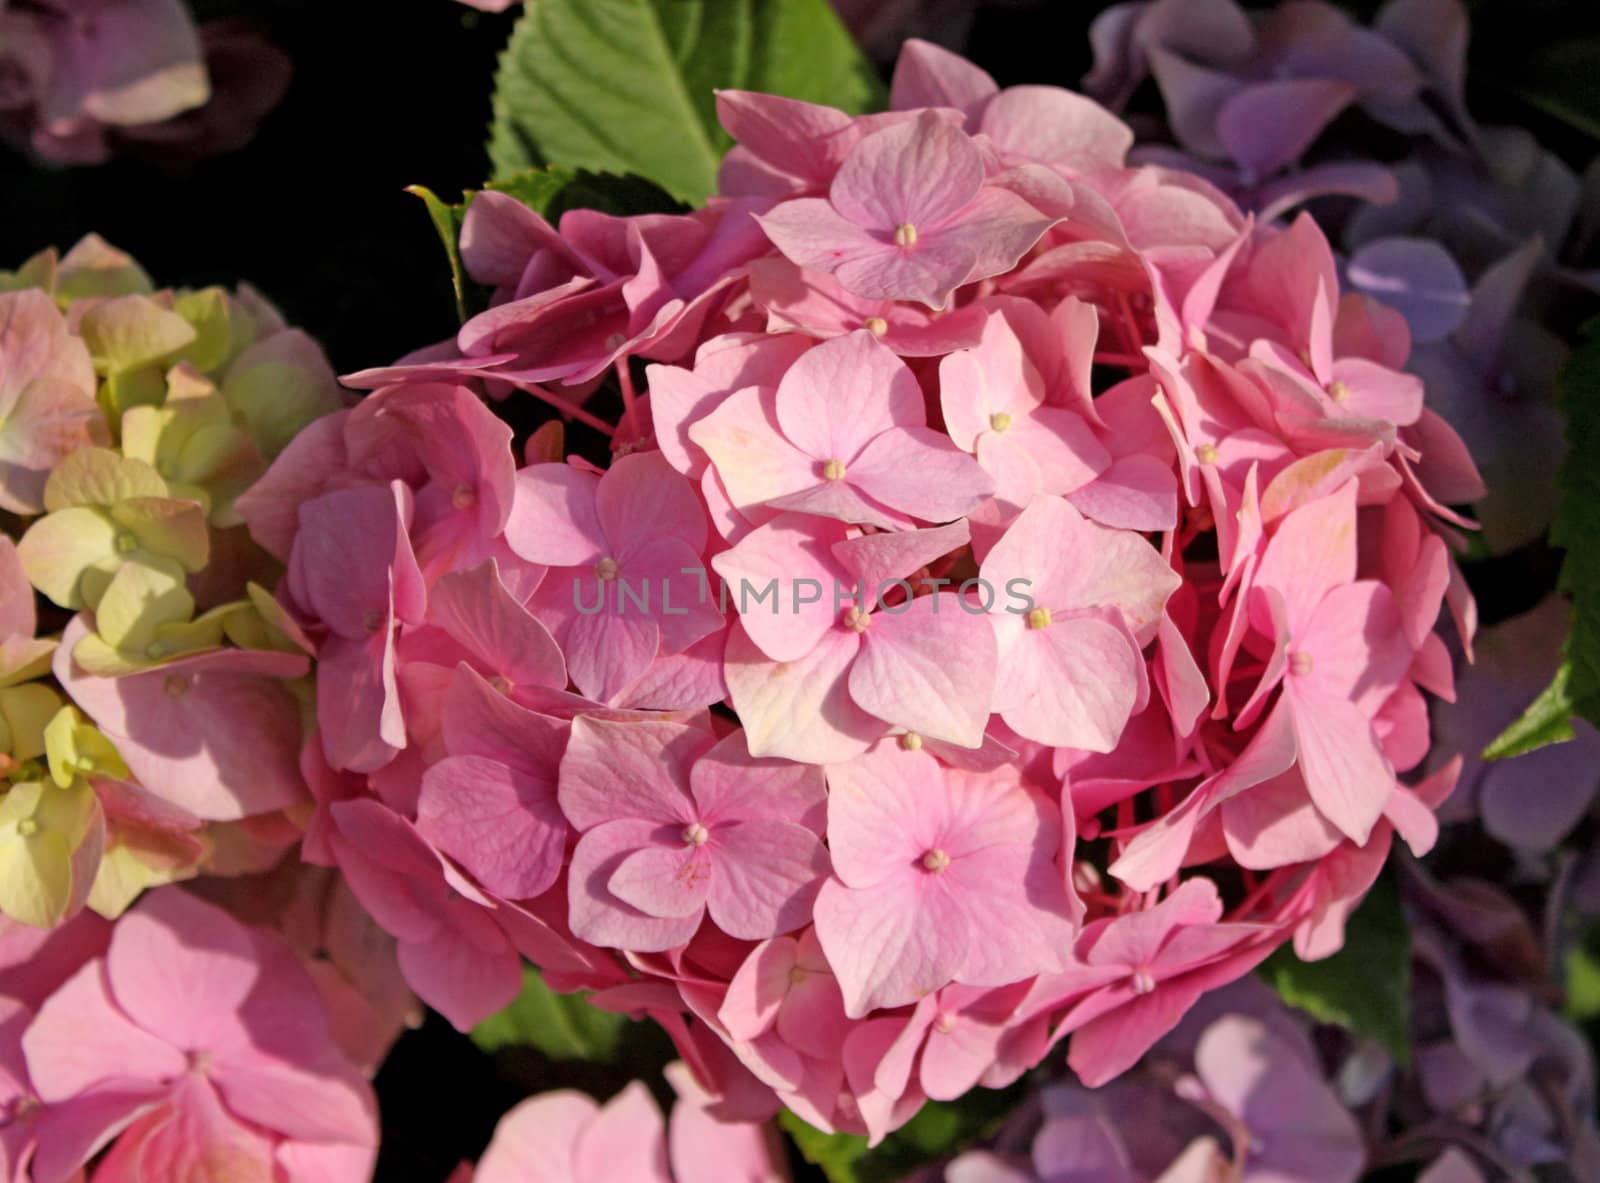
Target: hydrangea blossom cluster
x=159 y=733
x=80 y=78
x=151 y=724
x=1006 y=614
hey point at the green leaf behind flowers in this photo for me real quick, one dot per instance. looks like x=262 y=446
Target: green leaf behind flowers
x=1366 y=986
x=628 y=86
x=1575 y=690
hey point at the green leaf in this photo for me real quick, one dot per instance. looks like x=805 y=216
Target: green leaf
x=1558 y=79
x=1575 y=690
x=446 y=220
x=1547 y=720
x=939 y=1130
x=1583 y=983
x=627 y=86
x=1366 y=986
x=561 y=1026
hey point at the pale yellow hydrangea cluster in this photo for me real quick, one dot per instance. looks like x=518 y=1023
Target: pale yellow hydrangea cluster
x=131 y=419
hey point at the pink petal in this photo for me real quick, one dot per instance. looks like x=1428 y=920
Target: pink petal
x=538 y=1139
x=1056 y=127
x=502 y=826
x=1072 y=684
x=927 y=75
x=884 y=947
x=928 y=665
x=626 y=1140
x=1136 y=492
x=920 y=172
x=80 y=1039
x=918 y=471
x=730 y=786
x=668 y=879
x=766 y=879
x=637 y=769
x=554 y=519
x=215 y=734
x=597 y=915
x=754 y=460
x=842 y=393
x=1345 y=773
x=641 y=497
x=801 y=709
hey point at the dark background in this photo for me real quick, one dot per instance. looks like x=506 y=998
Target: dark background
x=314 y=214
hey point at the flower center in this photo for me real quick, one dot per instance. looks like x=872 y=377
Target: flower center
x=176 y=685
x=1039 y=618
x=905 y=234
x=501 y=684
x=606 y=570
x=695 y=834
x=1206 y=453
x=911 y=742
x=833 y=470
x=126 y=543
x=615 y=341
x=372 y=620
x=155 y=650
x=1338 y=391
x=1300 y=663
x=464 y=497
x=876 y=325
x=27 y=827
x=935 y=861
x=797 y=974
x=945 y=1023
x=1143 y=982
x=999 y=421
x=855 y=619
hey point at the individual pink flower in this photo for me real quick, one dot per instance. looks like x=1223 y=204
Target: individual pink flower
x=1135 y=976
x=994 y=406
x=676 y=827
x=1080 y=601
x=940 y=876
x=196 y=1039
x=47 y=403
x=835 y=645
x=843 y=435
x=624 y=549
x=908 y=217
x=1340 y=652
